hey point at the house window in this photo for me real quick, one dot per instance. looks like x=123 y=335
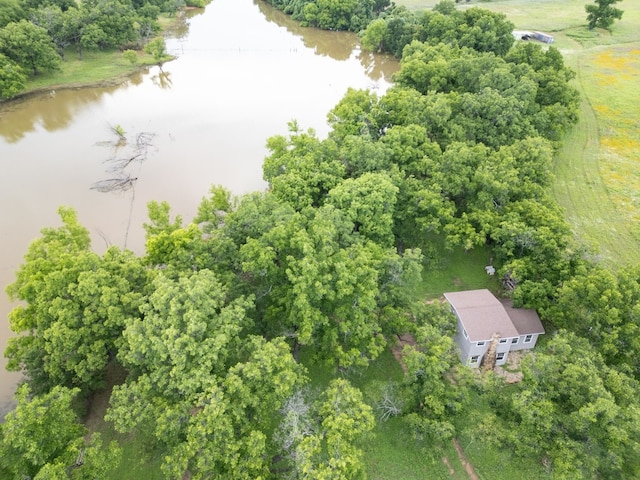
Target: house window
x=514 y=341
x=528 y=338
x=464 y=332
x=503 y=340
x=480 y=344
x=474 y=359
x=500 y=356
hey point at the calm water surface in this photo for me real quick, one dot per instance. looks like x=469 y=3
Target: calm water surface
x=243 y=71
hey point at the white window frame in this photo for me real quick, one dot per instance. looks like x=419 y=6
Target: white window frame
x=466 y=335
x=480 y=343
x=503 y=340
x=473 y=360
x=514 y=340
x=500 y=356
x=528 y=338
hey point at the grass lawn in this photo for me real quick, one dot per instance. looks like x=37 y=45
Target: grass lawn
x=598 y=169
x=94 y=68
x=457 y=270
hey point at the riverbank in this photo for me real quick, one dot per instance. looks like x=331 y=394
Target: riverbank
x=99 y=68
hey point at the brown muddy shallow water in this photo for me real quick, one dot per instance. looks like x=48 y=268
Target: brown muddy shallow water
x=242 y=72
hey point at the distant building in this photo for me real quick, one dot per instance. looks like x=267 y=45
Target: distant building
x=522 y=35
x=527 y=35
x=488 y=328
x=543 y=37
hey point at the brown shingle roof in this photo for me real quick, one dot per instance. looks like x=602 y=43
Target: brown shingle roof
x=525 y=320
x=482 y=315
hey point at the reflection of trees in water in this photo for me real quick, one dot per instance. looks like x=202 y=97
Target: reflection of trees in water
x=180 y=27
x=378 y=66
x=53 y=110
x=162 y=79
x=337 y=45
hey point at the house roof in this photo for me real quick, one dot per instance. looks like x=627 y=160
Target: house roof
x=525 y=320
x=482 y=315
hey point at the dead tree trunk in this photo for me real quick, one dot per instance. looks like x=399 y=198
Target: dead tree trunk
x=489 y=360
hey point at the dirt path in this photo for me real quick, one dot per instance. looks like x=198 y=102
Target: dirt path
x=463 y=460
x=99 y=401
x=402 y=341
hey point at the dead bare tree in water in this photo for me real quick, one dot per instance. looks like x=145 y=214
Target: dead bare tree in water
x=119 y=184
x=120 y=179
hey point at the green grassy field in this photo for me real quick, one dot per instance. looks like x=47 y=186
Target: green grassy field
x=93 y=68
x=598 y=169
x=456 y=270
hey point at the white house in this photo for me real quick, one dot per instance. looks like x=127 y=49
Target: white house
x=485 y=321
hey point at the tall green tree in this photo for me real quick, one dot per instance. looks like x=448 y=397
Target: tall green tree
x=10 y=11
x=602 y=13
x=321 y=439
x=12 y=78
x=576 y=412
x=301 y=169
x=43 y=439
x=199 y=383
x=29 y=46
x=76 y=306
x=434 y=390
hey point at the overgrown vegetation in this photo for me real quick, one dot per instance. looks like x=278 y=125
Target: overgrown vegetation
x=250 y=336
x=36 y=37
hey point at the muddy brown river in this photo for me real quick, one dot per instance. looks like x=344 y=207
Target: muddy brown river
x=243 y=70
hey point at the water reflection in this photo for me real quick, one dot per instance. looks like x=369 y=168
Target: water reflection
x=337 y=45
x=162 y=79
x=180 y=28
x=52 y=110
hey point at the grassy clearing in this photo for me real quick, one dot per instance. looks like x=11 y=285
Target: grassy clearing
x=598 y=169
x=592 y=209
x=456 y=270
x=93 y=68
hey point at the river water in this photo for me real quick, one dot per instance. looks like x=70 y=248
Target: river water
x=243 y=70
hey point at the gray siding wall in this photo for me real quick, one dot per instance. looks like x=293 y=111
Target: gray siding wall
x=522 y=345
x=469 y=349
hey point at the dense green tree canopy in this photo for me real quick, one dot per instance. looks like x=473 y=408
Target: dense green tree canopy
x=29 y=46
x=209 y=323
x=575 y=412
x=475 y=28
x=353 y=15
x=12 y=78
x=10 y=11
x=206 y=385
x=43 y=439
x=319 y=437
x=77 y=304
